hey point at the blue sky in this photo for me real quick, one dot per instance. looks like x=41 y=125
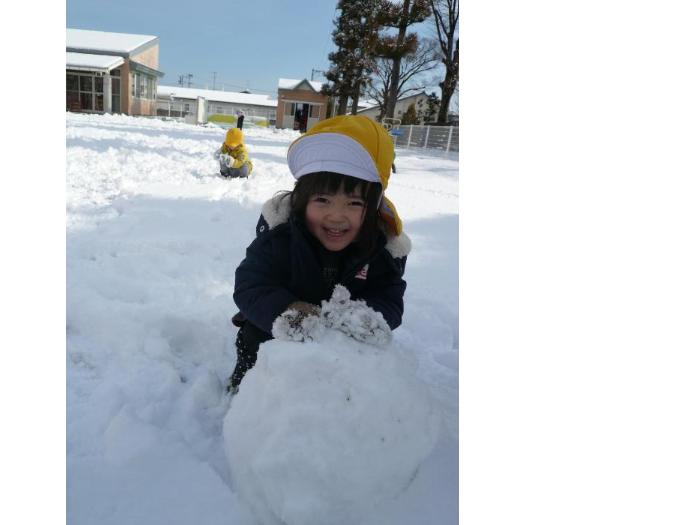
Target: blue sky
x=248 y=43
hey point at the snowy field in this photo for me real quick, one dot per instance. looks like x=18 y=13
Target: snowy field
x=154 y=236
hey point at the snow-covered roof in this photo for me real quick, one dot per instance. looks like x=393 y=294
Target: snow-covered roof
x=117 y=43
x=217 y=96
x=290 y=83
x=367 y=105
x=90 y=62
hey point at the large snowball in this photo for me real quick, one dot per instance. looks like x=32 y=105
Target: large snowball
x=321 y=432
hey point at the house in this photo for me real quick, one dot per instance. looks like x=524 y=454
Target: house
x=111 y=72
x=402 y=105
x=300 y=103
x=218 y=106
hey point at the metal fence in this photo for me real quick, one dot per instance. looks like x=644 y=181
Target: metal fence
x=445 y=138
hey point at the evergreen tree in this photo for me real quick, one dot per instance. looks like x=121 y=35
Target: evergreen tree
x=395 y=47
x=432 y=108
x=410 y=117
x=355 y=35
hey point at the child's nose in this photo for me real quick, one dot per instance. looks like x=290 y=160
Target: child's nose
x=336 y=213
x=336 y=207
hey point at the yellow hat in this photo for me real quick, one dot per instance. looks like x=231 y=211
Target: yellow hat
x=234 y=137
x=352 y=145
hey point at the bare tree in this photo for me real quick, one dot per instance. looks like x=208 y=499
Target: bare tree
x=446 y=15
x=411 y=67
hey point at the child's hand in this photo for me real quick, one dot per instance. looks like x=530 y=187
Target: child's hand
x=226 y=160
x=355 y=318
x=300 y=322
x=305 y=308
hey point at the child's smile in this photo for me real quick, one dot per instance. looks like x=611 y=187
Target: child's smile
x=335 y=219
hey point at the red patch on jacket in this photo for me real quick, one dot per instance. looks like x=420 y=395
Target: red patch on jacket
x=362 y=273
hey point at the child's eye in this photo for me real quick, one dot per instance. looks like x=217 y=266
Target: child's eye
x=320 y=199
x=361 y=204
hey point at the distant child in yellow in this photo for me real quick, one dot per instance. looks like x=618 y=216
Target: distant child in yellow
x=233 y=156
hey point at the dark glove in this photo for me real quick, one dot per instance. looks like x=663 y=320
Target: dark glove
x=300 y=322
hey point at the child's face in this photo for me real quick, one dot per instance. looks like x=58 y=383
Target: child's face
x=335 y=219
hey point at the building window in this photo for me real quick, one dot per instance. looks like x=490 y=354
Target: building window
x=143 y=86
x=84 y=92
x=86 y=101
x=116 y=91
x=72 y=92
x=85 y=83
x=187 y=108
x=151 y=87
x=72 y=82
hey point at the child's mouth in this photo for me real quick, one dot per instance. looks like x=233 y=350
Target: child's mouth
x=334 y=233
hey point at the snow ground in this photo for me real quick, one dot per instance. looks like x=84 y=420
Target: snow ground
x=153 y=240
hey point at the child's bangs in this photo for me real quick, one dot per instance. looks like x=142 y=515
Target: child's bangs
x=329 y=182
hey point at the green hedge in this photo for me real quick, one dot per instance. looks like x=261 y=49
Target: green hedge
x=228 y=119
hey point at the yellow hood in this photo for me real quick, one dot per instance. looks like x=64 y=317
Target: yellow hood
x=234 y=137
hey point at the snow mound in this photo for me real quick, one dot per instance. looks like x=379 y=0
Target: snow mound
x=322 y=431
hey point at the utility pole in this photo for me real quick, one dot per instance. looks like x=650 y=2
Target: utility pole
x=181 y=80
x=213 y=84
x=189 y=79
x=316 y=71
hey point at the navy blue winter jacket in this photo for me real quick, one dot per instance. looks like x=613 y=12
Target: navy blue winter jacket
x=283 y=265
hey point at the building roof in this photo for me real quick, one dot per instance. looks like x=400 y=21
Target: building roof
x=217 y=96
x=88 y=62
x=100 y=42
x=290 y=83
x=370 y=105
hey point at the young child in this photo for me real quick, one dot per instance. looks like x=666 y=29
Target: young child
x=233 y=155
x=335 y=227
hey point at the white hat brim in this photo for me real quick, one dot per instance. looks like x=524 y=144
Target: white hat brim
x=331 y=152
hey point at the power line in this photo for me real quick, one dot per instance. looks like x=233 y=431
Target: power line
x=200 y=83
x=181 y=80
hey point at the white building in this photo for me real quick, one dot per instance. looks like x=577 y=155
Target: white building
x=219 y=106
x=402 y=105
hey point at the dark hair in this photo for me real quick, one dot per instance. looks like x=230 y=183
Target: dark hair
x=329 y=182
